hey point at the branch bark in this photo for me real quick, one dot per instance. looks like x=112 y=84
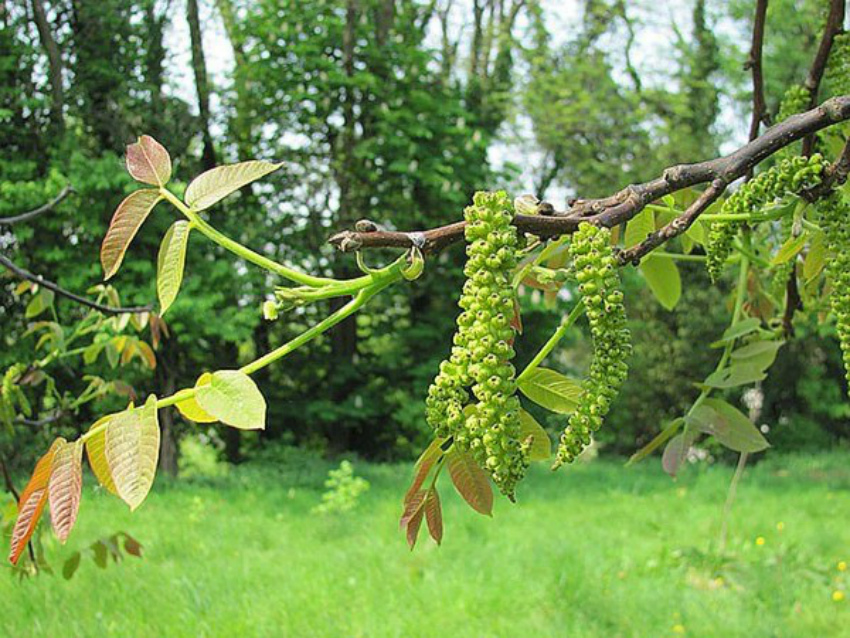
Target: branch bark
x=834 y=26
x=54 y=65
x=754 y=63
x=15 y=219
x=41 y=281
x=199 y=68
x=624 y=205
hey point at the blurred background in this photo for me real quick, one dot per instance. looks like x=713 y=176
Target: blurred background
x=395 y=111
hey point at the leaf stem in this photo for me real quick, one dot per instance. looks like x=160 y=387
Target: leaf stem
x=242 y=251
x=559 y=333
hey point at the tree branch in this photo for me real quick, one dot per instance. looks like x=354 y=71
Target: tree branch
x=14 y=219
x=624 y=205
x=41 y=281
x=834 y=25
x=755 y=65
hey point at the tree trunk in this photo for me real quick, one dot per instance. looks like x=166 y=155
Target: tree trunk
x=168 y=450
x=199 y=68
x=54 y=68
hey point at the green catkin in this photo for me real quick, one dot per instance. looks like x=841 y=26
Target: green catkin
x=599 y=284
x=486 y=423
x=790 y=176
x=795 y=100
x=833 y=214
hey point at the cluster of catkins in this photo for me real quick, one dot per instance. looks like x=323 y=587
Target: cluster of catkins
x=595 y=270
x=833 y=215
x=486 y=423
x=795 y=100
x=791 y=175
x=838 y=69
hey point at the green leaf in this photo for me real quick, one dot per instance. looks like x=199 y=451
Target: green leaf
x=190 y=409
x=676 y=452
x=659 y=439
x=42 y=300
x=541 y=446
x=639 y=227
x=790 y=249
x=234 y=399
x=735 y=375
x=551 y=390
x=128 y=218
x=470 y=481
x=728 y=425
x=816 y=257
x=737 y=331
x=148 y=161
x=170 y=264
x=759 y=354
x=662 y=275
x=101 y=554
x=71 y=565
x=696 y=231
x=217 y=183
x=132 y=450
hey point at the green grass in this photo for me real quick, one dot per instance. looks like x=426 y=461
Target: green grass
x=596 y=550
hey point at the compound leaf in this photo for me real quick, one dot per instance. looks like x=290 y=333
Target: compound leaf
x=551 y=390
x=96 y=451
x=148 y=161
x=541 y=445
x=31 y=504
x=434 y=515
x=470 y=481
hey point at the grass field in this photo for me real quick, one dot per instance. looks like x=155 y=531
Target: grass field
x=597 y=550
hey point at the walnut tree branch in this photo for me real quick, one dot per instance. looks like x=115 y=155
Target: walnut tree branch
x=624 y=205
x=754 y=63
x=834 y=26
x=30 y=214
x=41 y=281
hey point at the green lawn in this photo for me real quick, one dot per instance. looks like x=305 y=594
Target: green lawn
x=596 y=550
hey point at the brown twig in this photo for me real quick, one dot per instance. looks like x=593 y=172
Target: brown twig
x=624 y=205
x=754 y=63
x=15 y=219
x=41 y=281
x=834 y=25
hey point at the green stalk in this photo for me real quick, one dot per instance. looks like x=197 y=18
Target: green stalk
x=566 y=322
x=242 y=251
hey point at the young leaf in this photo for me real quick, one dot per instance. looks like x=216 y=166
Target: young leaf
x=790 y=249
x=759 y=354
x=71 y=565
x=470 y=481
x=738 y=330
x=662 y=275
x=170 y=263
x=551 y=390
x=413 y=528
x=423 y=466
x=128 y=218
x=132 y=451
x=434 y=515
x=659 y=439
x=412 y=507
x=816 y=257
x=148 y=161
x=735 y=375
x=541 y=446
x=675 y=453
x=190 y=409
x=31 y=504
x=233 y=398
x=639 y=227
x=96 y=451
x=64 y=488
x=728 y=425
x=132 y=546
x=217 y=183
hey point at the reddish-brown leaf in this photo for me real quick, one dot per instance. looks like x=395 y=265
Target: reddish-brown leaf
x=128 y=218
x=434 y=515
x=412 y=507
x=31 y=504
x=66 y=483
x=148 y=161
x=470 y=481
x=423 y=466
x=413 y=528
